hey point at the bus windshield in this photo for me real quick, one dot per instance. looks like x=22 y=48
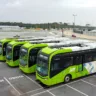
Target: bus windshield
x=0 y=48
x=9 y=52
x=42 y=65
x=23 y=56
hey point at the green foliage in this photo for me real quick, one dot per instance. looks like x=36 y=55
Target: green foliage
x=54 y=25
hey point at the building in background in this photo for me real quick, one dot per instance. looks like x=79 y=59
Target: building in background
x=10 y=28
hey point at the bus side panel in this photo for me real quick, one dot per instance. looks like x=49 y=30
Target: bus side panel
x=72 y=70
x=13 y=63
x=81 y=71
x=90 y=67
x=56 y=79
x=16 y=63
x=60 y=76
x=2 y=58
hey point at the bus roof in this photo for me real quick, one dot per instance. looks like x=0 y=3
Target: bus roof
x=53 y=44
x=38 y=38
x=68 y=43
x=73 y=47
x=82 y=47
x=49 y=40
x=29 y=39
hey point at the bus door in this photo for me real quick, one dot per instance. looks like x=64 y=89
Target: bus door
x=4 y=48
x=16 y=52
x=78 y=61
x=33 y=56
x=58 y=65
x=89 y=63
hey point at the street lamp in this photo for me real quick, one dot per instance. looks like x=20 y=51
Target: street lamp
x=74 y=19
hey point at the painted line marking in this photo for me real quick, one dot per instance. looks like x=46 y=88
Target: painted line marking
x=12 y=86
x=64 y=85
x=32 y=91
x=76 y=90
x=2 y=80
x=89 y=83
x=51 y=93
x=33 y=81
x=39 y=93
x=16 y=77
x=53 y=88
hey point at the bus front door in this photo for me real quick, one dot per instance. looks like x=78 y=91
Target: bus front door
x=79 y=62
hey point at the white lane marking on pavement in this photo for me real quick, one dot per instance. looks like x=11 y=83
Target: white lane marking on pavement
x=76 y=89
x=88 y=83
x=39 y=93
x=16 y=77
x=51 y=93
x=53 y=88
x=1 y=80
x=12 y=86
x=33 y=81
x=32 y=91
x=64 y=85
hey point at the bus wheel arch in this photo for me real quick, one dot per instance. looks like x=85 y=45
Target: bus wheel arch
x=67 y=78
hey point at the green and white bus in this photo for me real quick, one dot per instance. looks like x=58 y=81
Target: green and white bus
x=28 y=52
x=13 y=50
x=64 y=64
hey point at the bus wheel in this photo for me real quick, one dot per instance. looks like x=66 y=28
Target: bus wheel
x=67 y=78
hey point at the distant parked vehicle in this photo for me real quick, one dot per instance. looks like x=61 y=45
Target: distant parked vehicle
x=73 y=35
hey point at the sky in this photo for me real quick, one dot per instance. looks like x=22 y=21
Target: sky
x=44 y=11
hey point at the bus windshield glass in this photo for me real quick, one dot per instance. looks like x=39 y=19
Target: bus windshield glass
x=23 y=56
x=9 y=52
x=0 y=48
x=42 y=65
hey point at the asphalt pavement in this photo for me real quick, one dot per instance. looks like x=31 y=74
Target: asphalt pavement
x=13 y=82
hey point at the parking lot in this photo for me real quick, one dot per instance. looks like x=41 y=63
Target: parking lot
x=15 y=83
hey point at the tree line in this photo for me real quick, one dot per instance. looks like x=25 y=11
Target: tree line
x=53 y=25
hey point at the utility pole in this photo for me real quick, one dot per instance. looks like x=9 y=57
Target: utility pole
x=74 y=19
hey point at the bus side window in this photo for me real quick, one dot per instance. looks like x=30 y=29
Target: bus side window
x=66 y=62
x=94 y=57
x=33 y=56
x=88 y=58
x=55 y=66
x=77 y=60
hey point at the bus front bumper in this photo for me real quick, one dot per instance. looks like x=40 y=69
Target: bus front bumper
x=44 y=81
x=2 y=58
x=27 y=69
x=12 y=63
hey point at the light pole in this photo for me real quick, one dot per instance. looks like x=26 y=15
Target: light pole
x=74 y=19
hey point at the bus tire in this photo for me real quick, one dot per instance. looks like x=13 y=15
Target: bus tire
x=67 y=78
